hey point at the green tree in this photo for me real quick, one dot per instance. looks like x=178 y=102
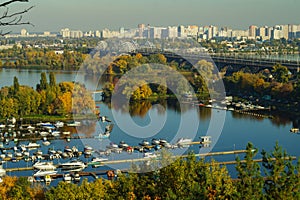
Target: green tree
x=43 y=82
x=250 y=183
x=281 y=73
x=282 y=177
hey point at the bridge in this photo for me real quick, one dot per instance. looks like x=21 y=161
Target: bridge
x=236 y=62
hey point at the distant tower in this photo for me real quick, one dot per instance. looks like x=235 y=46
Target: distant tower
x=252 y=31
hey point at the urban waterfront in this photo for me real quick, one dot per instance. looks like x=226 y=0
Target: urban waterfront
x=238 y=129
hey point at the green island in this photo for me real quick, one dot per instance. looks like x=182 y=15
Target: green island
x=51 y=101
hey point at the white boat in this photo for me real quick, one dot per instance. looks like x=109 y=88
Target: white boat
x=46 y=143
x=59 y=124
x=149 y=155
x=44 y=165
x=2 y=125
x=73 y=164
x=67 y=177
x=144 y=143
x=66 y=133
x=2 y=171
x=155 y=141
x=103 y=135
x=55 y=133
x=44 y=133
x=184 y=142
x=122 y=144
x=43 y=172
x=112 y=146
x=96 y=162
x=74 y=123
x=32 y=145
x=76 y=177
x=294 y=130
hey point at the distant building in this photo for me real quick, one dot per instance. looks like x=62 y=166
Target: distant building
x=252 y=31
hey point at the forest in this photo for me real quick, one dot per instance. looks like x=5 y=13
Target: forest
x=277 y=177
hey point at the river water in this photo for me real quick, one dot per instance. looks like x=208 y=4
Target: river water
x=229 y=130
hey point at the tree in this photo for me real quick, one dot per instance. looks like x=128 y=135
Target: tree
x=16 y=85
x=43 y=81
x=52 y=80
x=282 y=177
x=12 y=18
x=281 y=73
x=250 y=182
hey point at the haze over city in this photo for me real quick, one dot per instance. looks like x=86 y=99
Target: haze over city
x=94 y=14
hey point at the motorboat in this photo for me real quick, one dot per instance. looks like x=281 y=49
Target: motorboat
x=103 y=135
x=46 y=143
x=149 y=155
x=44 y=133
x=55 y=133
x=48 y=178
x=43 y=172
x=96 y=162
x=44 y=165
x=73 y=164
x=2 y=171
x=74 y=123
x=59 y=124
x=184 y=142
x=32 y=145
x=112 y=146
x=76 y=177
x=155 y=141
x=67 y=177
x=122 y=144
x=144 y=143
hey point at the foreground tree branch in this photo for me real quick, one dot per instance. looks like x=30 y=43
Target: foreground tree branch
x=14 y=18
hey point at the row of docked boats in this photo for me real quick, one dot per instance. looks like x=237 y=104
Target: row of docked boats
x=48 y=168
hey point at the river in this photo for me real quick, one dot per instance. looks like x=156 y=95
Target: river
x=171 y=122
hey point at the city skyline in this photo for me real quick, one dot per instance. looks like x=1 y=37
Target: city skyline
x=113 y=14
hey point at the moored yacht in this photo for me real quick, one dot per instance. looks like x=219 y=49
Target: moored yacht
x=73 y=164
x=43 y=172
x=44 y=165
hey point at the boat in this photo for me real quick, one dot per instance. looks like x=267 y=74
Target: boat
x=122 y=144
x=67 y=177
x=2 y=171
x=46 y=143
x=103 y=135
x=144 y=143
x=43 y=172
x=76 y=177
x=96 y=162
x=74 y=123
x=55 y=133
x=112 y=146
x=44 y=165
x=32 y=145
x=66 y=132
x=294 y=130
x=73 y=164
x=149 y=155
x=184 y=142
x=48 y=178
x=155 y=141
x=59 y=124
x=2 y=125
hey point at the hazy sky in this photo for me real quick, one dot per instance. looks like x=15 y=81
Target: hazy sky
x=52 y=15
